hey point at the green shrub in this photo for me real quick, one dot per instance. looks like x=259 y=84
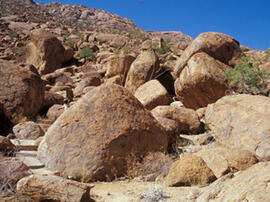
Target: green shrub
x=87 y=52
x=127 y=48
x=165 y=47
x=267 y=51
x=138 y=35
x=12 y=34
x=70 y=42
x=247 y=77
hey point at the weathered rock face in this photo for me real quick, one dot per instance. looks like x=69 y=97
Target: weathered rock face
x=241 y=121
x=99 y=134
x=21 y=92
x=248 y=185
x=46 y=52
x=189 y=170
x=151 y=94
x=219 y=46
x=53 y=188
x=201 y=82
x=222 y=160
x=27 y=130
x=187 y=119
x=142 y=70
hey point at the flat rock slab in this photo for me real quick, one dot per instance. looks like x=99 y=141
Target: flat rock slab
x=42 y=171
x=26 y=154
x=31 y=162
x=28 y=145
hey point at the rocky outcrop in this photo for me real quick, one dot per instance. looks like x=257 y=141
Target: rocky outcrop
x=21 y=92
x=40 y=187
x=219 y=46
x=27 y=130
x=189 y=170
x=46 y=52
x=241 y=121
x=201 y=82
x=98 y=135
x=152 y=94
x=143 y=69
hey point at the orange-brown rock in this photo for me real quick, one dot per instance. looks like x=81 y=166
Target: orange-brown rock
x=152 y=94
x=219 y=46
x=142 y=70
x=118 y=65
x=21 y=92
x=42 y=187
x=46 y=52
x=201 y=82
x=241 y=121
x=187 y=119
x=51 y=99
x=188 y=171
x=96 y=137
x=222 y=160
x=88 y=81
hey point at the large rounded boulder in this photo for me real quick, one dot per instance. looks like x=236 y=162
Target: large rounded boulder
x=46 y=52
x=143 y=69
x=201 y=82
x=99 y=136
x=218 y=45
x=21 y=92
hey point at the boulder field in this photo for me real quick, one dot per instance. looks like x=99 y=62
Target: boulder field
x=142 y=116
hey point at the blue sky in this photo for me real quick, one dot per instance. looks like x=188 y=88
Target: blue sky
x=248 y=21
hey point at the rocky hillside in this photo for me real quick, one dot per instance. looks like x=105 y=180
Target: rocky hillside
x=92 y=108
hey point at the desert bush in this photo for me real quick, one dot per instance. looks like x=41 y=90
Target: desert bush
x=87 y=52
x=77 y=33
x=153 y=163
x=267 y=52
x=247 y=77
x=70 y=42
x=154 y=194
x=165 y=47
x=18 y=50
x=12 y=34
x=138 y=35
x=127 y=48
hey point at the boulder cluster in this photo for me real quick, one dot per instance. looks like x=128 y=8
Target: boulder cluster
x=80 y=106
